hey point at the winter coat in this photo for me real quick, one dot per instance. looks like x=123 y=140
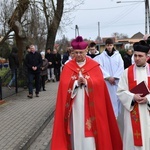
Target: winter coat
x=44 y=67
x=33 y=59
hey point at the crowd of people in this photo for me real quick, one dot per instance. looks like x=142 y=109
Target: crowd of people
x=93 y=89
x=38 y=68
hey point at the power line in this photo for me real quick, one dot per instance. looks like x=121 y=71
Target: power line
x=122 y=25
x=87 y=9
x=122 y=15
x=87 y=27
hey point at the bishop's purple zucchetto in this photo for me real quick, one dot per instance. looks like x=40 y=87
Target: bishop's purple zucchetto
x=78 y=43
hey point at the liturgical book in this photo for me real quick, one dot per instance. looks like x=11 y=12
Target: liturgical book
x=141 y=88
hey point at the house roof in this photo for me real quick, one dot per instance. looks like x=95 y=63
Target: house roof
x=135 y=38
x=138 y=35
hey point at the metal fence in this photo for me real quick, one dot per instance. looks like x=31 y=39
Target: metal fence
x=19 y=84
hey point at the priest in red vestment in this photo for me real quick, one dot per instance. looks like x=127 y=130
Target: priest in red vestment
x=84 y=118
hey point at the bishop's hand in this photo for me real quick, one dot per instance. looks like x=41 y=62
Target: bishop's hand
x=81 y=81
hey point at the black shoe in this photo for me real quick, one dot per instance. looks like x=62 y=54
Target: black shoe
x=53 y=80
x=30 y=95
x=37 y=95
x=44 y=89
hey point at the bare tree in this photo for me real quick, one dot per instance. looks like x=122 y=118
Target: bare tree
x=63 y=44
x=6 y=9
x=53 y=21
x=15 y=24
x=35 y=24
x=35 y=27
x=54 y=17
x=120 y=35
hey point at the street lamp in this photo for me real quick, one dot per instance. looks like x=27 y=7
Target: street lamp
x=147 y=13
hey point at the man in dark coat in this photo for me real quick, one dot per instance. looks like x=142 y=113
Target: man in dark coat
x=25 y=69
x=33 y=62
x=127 y=58
x=57 y=64
x=50 y=70
x=66 y=55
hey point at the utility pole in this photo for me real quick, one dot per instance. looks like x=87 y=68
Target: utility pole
x=145 y=16
x=99 y=38
x=98 y=29
x=148 y=15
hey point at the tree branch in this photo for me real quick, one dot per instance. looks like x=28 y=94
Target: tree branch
x=5 y=37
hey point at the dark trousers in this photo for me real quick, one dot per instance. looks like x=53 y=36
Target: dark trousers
x=57 y=73
x=34 y=77
x=12 y=81
x=43 y=79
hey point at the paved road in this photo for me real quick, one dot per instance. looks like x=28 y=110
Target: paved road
x=43 y=140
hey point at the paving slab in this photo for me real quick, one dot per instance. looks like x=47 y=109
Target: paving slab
x=21 y=118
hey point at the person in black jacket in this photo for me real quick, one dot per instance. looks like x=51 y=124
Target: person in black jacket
x=50 y=69
x=25 y=69
x=43 y=72
x=57 y=64
x=13 y=64
x=66 y=55
x=34 y=63
x=128 y=58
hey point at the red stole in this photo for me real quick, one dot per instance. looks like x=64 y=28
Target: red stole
x=134 y=114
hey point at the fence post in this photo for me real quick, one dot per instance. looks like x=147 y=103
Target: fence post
x=1 y=101
x=16 y=83
x=0 y=88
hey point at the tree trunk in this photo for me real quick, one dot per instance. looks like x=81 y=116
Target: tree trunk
x=16 y=26
x=54 y=25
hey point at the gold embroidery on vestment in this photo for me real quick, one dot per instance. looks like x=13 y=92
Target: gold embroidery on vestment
x=67 y=105
x=137 y=134
x=87 y=77
x=91 y=103
x=73 y=77
x=95 y=132
x=70 y=90
x=90 y=89
x=80 y=69
x=88 y=124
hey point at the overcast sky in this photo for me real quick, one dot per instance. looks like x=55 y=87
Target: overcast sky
x=127 y=18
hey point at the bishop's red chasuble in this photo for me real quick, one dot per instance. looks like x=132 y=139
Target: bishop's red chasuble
x=100 y=121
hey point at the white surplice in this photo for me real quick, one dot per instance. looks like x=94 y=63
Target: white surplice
x=80 y=142
x=140 y=74
x=111 y=67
